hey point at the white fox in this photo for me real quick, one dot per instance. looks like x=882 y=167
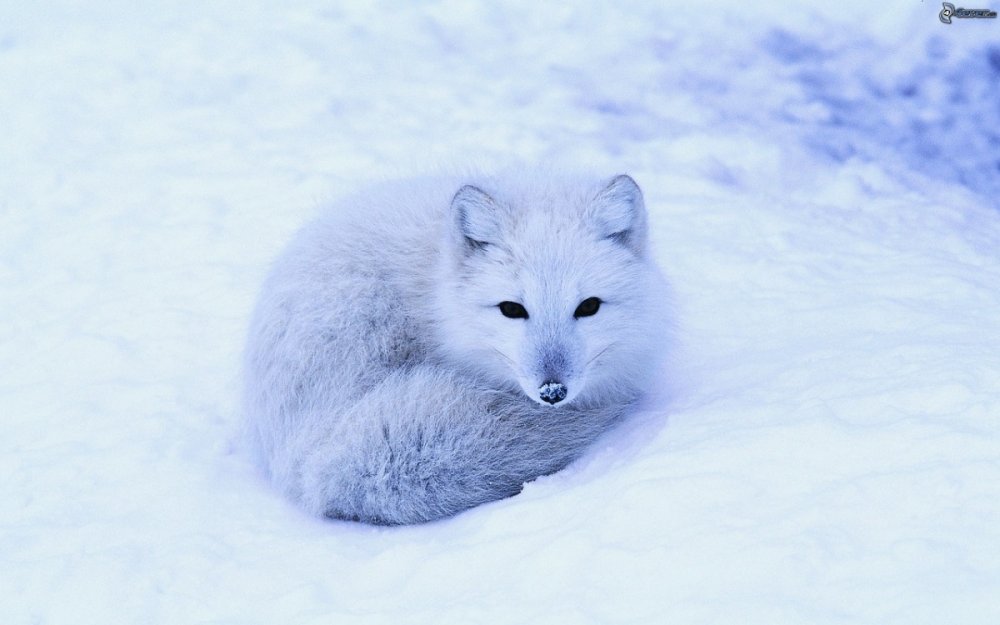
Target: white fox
x=432 y=345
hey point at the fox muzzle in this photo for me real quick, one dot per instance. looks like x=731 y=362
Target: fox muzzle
x=552 y=392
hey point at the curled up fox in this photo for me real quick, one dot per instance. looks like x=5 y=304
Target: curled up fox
x=431 y=345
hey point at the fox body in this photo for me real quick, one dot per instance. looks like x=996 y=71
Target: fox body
x=428 y=346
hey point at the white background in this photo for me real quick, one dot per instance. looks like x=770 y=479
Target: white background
x=822 y=181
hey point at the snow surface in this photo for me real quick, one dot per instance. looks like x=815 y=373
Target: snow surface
x=823 y=183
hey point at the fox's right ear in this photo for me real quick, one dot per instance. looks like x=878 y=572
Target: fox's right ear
x=476 y=217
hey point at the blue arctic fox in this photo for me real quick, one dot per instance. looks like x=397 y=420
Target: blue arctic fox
x=431 y=345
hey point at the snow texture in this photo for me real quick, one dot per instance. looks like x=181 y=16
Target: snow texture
x=822 y=182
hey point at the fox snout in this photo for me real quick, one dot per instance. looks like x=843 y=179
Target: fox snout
x=553 y=368
x=552 y=392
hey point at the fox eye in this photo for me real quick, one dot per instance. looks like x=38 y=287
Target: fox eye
x=588 y=307
x=513 y=310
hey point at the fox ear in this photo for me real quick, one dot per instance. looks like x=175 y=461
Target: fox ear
x=476 y=217
x=620 y=213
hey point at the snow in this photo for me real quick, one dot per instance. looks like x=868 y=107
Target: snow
x=822 y=180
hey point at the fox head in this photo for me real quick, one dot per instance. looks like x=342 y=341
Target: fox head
x=548 y=287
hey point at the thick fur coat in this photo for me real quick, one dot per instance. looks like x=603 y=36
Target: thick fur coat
x=431 y=345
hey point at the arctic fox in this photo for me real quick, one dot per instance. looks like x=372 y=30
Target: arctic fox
x=432 y=345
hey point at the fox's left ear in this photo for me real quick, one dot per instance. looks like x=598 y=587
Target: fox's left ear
x=619 y=214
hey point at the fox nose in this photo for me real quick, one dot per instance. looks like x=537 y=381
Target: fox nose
x=552 y=392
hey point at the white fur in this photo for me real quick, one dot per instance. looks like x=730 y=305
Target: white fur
x=384 y=385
